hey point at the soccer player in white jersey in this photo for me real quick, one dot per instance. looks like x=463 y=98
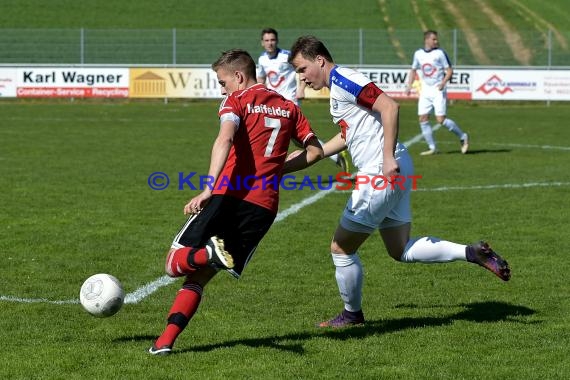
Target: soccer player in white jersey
x=369 y=122
x=276 y=72
x=434 y=70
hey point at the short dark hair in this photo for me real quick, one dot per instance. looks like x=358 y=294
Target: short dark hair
x=236 y=60
x=270 y=31
x=309 y=47
x=429 y=32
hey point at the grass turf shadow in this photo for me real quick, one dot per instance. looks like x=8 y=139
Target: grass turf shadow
x=479 y=312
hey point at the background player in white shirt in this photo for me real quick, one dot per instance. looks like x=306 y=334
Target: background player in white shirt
x=434 y=70
x=276 y=72
x=369 y=129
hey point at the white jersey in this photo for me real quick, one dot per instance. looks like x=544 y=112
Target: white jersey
x=430 y=66
x=279 y=74
x=361 y=128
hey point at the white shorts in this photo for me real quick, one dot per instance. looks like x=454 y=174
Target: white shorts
x=379 y=204
x=431 y=98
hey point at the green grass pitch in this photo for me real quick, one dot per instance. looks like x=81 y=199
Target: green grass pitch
x=75 y=201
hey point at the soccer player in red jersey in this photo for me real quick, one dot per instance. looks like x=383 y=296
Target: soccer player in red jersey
x=228 y=220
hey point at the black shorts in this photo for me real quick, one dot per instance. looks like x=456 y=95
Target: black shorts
x=241 y=224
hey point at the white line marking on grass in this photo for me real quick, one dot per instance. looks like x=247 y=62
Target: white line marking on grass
x=146 y=290
x=503 y=186
x=552 y=147
x=508 y=145
x=36 y=300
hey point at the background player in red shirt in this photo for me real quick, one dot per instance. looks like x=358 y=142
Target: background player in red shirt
x=256 y=127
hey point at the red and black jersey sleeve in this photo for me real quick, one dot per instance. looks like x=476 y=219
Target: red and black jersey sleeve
x=368 y=95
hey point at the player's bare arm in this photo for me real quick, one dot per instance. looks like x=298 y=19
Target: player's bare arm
x=301 y=159
x=390 y=113
x=220 y=152
x=334 y=145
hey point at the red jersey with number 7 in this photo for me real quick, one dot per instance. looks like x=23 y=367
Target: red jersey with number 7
x=265 y=124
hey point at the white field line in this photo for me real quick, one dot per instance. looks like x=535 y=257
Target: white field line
x=503 y=186
x=508 y=145
x=36 y=300
x=552 y=147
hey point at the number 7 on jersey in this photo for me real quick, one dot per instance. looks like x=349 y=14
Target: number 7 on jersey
x=276 y=125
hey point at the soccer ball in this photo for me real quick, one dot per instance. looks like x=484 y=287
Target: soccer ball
x=102 y=295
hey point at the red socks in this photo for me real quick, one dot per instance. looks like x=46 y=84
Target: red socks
x=185 y=305
x=185 y=260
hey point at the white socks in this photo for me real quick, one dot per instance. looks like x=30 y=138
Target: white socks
x=428 y=134
x=432 y=250
x=427 y=131
x=450 y=124
x=349 y=278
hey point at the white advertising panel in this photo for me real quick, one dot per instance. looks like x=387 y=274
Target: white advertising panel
x=521 y=85
x=7 y=83
x=393 y=82
x=201 y=83
x=72 y=82
x=556 y=84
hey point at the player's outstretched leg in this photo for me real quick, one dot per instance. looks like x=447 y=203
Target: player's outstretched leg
x=218 y=256
x=481 y=253
x=183 y=309
x=186 y=260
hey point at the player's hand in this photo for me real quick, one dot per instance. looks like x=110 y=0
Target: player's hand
x=390 y=167
x=196 y=204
